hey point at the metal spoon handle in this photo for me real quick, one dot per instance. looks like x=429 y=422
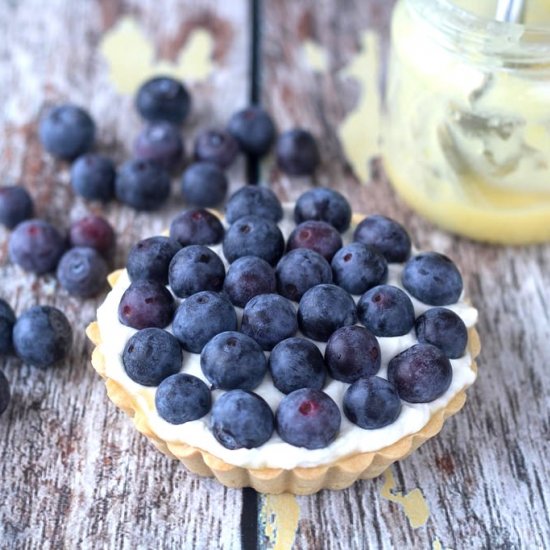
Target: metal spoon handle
x=511 y=11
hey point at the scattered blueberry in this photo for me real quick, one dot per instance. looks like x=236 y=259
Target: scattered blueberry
x=358 y=267
x=297 y=153
x=82 y=272
x=420 y=374
x=160 y=142
x=36 y=246
x=372 y=403
x=196 y=226
x=241 y=419
x=386 y=311
x=16 y=205
x=308 y=418
x=7 y=320
x=443 y=329
x=253 y=200
x=233 y=360
x=297 y=363
x=253 y=129
x=5 y=395
x=324 y=309
x=352 y=352
x=386 y=235
x=299 y=270
x=269 y=319
x=254 y=236
x=163 y=98
x=433 y=279
x=247 y=277
x=146 y=304
x=42 y=336
x=142 y=184
x=182 y=398
x=150 y=259
x=95 y=232
x=195 y=268
x=204 y=184
x=216 y=146
x=318 y=236
x=66 y=131
x=93 y=177
x=151 y=355
x=200 y=317
x=325 y=205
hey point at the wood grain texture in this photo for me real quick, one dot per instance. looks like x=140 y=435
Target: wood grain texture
x=485 y=478
x=75 y=473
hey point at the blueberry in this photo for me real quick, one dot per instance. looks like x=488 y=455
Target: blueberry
x=326 y=205
x=95 y=232
x=253 y=200
x=204 y=184
x=247 y=277
x=196 y=226
x=5 y=395
x=7 y=320
x=318 y=236
x=66 y=131
x=195 y=268
x=151 y=355
x=93 y=177
x=372 y=403
x=160 y=142
x=420 y=374
x=358 y=267
x=146 y=304
x=42 y=336
x=200 y=317
x=241 y=419
x=142 y=184
x=386 y=311
x=150 y=259
x=253 y=129
x=16 y=205
x=82 y=272
x=233 y=360
x=297 y=363
x=254 y=236
x=216 y=146
x=297 y=153
x=386 y=235
x=324 y=309
x=351 y=353
x=182 y=398
x=269 y=319
x=163 y=98
x=308 y=418
x=433 y=279
x=36 y=246
x=443 y=329
x=299 y=270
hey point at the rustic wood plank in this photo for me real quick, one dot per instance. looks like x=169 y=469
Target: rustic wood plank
x=75 y=473
x=485 y=477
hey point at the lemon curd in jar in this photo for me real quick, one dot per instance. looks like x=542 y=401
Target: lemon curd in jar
x=467 y=138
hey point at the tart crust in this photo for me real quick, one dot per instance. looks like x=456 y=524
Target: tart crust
x=300 y=481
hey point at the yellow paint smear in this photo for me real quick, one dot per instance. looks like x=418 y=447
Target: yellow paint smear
x=316 y=56
x=360 y=130
x=436 y=545
x=414 y=504
x=131 y=56
x=280 y=515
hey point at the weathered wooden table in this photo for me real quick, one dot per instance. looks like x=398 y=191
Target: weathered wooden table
x=74 y=472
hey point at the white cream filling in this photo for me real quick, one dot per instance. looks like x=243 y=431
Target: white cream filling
x=276 y=453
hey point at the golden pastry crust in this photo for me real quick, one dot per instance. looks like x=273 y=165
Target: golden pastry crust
x=299 y=481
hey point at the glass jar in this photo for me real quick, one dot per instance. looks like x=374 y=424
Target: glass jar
x=467 y=139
